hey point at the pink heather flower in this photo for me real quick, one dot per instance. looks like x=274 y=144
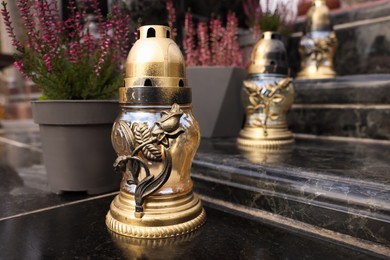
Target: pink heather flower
x=9 y=28
x=94 y=4
x=171 y=17
x=27 y=17
x=136 y=35
x=48 y=62
x=216 y=34
x=88 y=42
x=59 y=48
x=252 y=11
x=49 y=41
x=75 y=26
x=103 y=55
x=204 y=50
x=136 y=32
x=75 y=53
x=20 y=66
x=234 y=55
x=120 y=38
x=216 y=47
x=54 y=13
x=227 y=42
x=74 y=21
x=104 y=45
x=189 y=41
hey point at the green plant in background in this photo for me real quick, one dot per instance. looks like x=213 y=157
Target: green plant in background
x=270 y=22
x=80 y=58
x=266 y=15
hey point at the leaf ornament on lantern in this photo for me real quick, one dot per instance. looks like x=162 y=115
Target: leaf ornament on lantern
x=151 y=145
x=261 y=97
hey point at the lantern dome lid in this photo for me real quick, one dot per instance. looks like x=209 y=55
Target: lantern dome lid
x=155 y=70
x=318 y=17
x=155 y=59
x=269 y=55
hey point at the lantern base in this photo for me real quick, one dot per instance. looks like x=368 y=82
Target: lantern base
x=163 y=215
x=256 y=137
x=312 y=72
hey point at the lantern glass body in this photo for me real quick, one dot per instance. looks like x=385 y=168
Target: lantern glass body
x=182 y=148
x=278 y=105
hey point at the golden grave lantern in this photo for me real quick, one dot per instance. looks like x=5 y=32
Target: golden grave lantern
x=318 y=45
x=155 y=137
x=267 y=95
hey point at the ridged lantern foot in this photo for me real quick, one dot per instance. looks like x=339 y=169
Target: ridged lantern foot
x=274 y=138
x=162 y=217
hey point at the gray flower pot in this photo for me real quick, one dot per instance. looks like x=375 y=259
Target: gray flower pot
x=77 y=149
x=216 y=99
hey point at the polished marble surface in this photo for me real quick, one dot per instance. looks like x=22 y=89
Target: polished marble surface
x=355 y=106
x=341 y=186
x=79 y=232
x=358 y=121
x=23 y=185
x=37 y=224
x=355 y=89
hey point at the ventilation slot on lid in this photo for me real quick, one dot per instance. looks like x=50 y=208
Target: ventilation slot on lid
x=151 y=33
x=148 y=83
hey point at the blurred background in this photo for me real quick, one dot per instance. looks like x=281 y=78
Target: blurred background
x=17 y=92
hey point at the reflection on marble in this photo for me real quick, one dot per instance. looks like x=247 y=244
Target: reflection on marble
x=361 y=122
x=264 y=154
x=78 y=232
x=340 y=186
x=349 y=106
x=154 y=248
x=36 y=224
x=23 y=185
x=356 y=89
x=363 y=49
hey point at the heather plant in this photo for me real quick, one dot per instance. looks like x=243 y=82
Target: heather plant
x=269 y=15
x=212 y=44
x=80 y=58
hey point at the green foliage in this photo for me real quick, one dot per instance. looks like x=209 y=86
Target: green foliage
x=78 y=80
x=270 y=22
x=80 y=58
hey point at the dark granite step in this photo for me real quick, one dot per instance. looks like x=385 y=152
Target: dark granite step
x=355 y=89
x=79 y=232
x=23 y=185
x=340 y=186
x=348 y=106
x=36 y=224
